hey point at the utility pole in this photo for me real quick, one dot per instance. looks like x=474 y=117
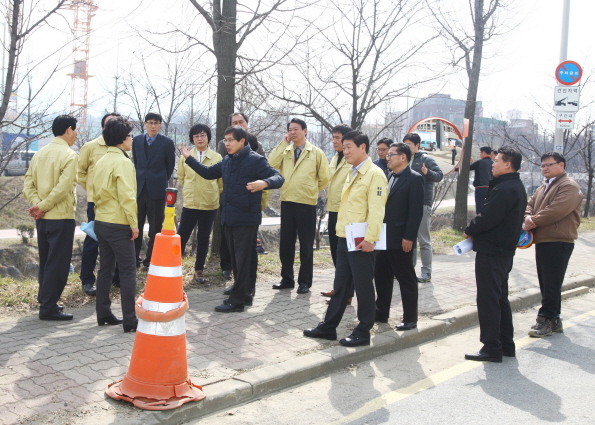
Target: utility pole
x=559 y=133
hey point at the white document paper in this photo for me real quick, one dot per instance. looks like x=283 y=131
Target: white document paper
x=358 y=230
x=463 y=246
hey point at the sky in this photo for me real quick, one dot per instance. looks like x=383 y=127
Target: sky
x=518 y=74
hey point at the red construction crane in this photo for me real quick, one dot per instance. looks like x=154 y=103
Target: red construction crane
x=84 y=10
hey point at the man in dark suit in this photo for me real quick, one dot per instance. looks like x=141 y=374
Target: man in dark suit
x=154 y=159
x=402 y=215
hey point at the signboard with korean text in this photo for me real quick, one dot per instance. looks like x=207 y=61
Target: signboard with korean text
x=566 y=98
x=565 y=120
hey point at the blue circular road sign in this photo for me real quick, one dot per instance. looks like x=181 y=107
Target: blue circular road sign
x=569 y=73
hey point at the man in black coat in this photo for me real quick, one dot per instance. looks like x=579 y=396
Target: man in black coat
x=245 y=174
x=154 y=159
x=483 y=175
x=402 y=215
x=495 y=233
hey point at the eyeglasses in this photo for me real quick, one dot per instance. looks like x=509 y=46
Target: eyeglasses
x=388 y=155
x=200 y=135
x=549 y=165
x=229 y=140
x=152 y=123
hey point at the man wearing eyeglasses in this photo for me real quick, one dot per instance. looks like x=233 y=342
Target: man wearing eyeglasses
x=553 y=214
x=154 y=159
x=403 y=215
x=382 y=149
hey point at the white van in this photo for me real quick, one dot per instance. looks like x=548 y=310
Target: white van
x=18 y=164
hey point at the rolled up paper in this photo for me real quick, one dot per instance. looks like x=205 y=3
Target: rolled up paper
x=463 y=246
x=89 y=229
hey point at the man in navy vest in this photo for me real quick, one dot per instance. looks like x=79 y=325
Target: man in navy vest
x=154 y=159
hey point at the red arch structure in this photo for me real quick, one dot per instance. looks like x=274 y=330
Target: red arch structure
x=456 y=129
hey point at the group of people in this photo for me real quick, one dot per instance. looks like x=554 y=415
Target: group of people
x=392 y=195
x=108 y=175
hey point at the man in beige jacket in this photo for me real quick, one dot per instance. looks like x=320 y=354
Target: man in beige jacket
x=305 y=170
x=553 y=214
x=49 y=187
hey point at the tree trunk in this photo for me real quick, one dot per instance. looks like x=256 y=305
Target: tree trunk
x=12 y=57
x=473 y=71
x=225 y=46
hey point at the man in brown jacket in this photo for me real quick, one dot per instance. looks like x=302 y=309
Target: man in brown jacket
x=553 y=213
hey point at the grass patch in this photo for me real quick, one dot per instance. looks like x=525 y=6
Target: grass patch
x=20 y=296
x=444 y=239
x=587 y=225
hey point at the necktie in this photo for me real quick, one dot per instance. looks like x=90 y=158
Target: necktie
x=296 y=153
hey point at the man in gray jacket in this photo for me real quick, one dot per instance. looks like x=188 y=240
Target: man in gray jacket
x=425 y=165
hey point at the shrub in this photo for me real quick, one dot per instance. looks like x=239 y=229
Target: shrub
x=26 y=232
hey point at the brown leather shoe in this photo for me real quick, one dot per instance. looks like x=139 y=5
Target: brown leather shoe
x=328 y=294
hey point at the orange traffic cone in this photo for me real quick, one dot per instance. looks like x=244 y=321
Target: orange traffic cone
x=157 y=378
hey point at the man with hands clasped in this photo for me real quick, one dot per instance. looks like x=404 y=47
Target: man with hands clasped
x=245 y=174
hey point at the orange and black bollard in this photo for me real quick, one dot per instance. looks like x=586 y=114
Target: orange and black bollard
x=157 y=378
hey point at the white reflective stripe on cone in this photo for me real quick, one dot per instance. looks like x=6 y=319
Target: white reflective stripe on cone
x=160 y=271
x=173 y=328
x=160 y=307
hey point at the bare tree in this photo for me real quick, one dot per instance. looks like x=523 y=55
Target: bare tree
x=466 y=42
x=354 y=65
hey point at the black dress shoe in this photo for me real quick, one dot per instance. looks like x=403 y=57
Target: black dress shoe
x=480 y=356
x=56 y=316
x=130 y=328
x=110 y=320
x=60 y=307
x=317 y=333
x=90 y=289
x=227 y=291
x=406 y=326
x=283 y=285
x=354 y=341
x=247 y=302
x=303 y=288
x=506 y=353
x=229 y=308
x=226 y=274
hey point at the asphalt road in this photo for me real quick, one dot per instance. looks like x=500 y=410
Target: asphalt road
x=550 y=381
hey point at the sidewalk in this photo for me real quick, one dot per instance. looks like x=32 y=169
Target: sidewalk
x=62 y=369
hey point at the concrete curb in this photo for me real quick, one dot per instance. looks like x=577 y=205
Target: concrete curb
x=260 y=382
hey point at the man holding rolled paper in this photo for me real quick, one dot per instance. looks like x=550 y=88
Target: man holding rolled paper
x=495 y=232
x=362 y=201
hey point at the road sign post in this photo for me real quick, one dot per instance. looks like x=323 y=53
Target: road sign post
x=566 y=99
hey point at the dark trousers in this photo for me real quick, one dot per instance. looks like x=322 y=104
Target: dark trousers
x=353 y=269
x=332 y=234
x=90 y=252
x=481 y=194
x=224 y=255
x=551 y=259
x=154 y=211
x=333 y=239
x=226 y=258
x=190 y=218
x=240 y=240
x=55 y=238
x=395 y=263
x=297 y=220
x=493 y=307
x=114 y=242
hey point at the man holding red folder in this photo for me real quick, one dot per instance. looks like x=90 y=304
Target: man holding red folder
x=362 y=201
